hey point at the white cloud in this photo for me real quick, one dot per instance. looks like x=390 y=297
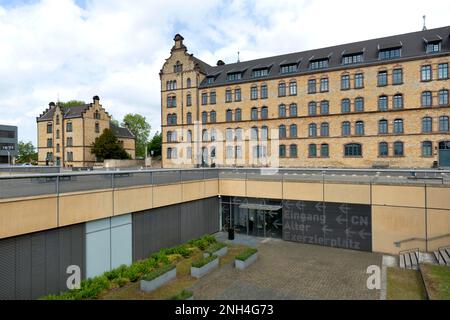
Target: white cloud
x=115 y=48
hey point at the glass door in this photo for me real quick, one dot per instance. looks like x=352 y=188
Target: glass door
x=274 y=225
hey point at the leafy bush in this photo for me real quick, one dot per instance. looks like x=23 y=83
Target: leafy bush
x=116 y=273
x=183 y=295
x=121 y=282
x=215 y=247
x=158 y=272
x=160 y=257
x=203 y=242
x=204 y=261
x=246 y=254
x=181 y=250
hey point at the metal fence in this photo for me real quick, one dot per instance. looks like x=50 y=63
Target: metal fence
x=14 y=186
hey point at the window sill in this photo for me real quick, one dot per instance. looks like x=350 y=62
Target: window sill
x=382 y=85
x=359 y=88
x=398 y=84
x=312 y=92
x=353 y=157
x=325 y=91
x=426 y=80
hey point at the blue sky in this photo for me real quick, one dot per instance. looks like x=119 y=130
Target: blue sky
x=116 y=48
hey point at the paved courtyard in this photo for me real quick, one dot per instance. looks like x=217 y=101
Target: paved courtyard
x=291 y=271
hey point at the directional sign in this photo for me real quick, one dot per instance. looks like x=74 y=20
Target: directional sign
x=339 y=225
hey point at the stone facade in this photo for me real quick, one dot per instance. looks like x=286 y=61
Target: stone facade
x=72 y=134
x=200 y=150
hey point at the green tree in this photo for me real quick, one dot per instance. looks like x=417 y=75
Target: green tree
x=140 y=128
x=27 y=153
x=155 y=144
x=107 y=146
x=72 y=103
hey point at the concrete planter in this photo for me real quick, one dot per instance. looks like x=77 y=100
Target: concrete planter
x=220 y=253
x=207 y=268
x=149 y=286
x=239 y=264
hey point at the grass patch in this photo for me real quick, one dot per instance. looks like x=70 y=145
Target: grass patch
x=215 y=247
x=403 y=284
x=203 y=262
x=246 y=254
x=437 y=279
x=183 y=295
x=158 y=272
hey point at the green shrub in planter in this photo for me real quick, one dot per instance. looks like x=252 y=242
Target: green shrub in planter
x=160 y=257
x=181 y=250
x=203 y=262
x=215 y=247
x=183 y=295
x=203 y=242
x=246 y=254
x=158 y=272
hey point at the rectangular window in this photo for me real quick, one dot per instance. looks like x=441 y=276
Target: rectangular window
x=345 y=82
x=352 y=58
x=382 y=78
x=312 y=86
x=171 y=101
x=397 y=76
x=443 y=71
x=359 y=81
x=293 y=88
x=228 y=96
x=49 y=143
x=324 y=85
x=204 y=99
x=212 y=98
x=425 y=73
x=7 y=134
x=234 y=76
x=230 y=152
x=188 y=100
x=69 y=127
x=258 y=73
x=210 y=80
x=324 y=107
x=254 y=93
x=69 y=142
x=434 y=47
x=264 y=93
x=49 y=128
x=391 y=53
x=282 y=90
x=318 y=64
x=238 y=152
x=288 y=68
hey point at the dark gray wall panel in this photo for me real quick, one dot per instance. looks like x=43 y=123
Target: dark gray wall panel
x=7 y=269
x=173 y=225
x=34 y=265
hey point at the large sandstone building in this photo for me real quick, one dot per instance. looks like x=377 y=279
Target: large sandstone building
x=65 y=134
x=381 y=102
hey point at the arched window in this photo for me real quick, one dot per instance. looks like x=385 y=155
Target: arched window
x=238 y=134
x=178 y=67
x=169 y=136
x=382 y=103
x=313 y=130
x=398 y=101
x=383 y=126
x=427 y=99
x=398 y=149
x=324 y=150
x=264 y=92
x=282 y=89
x=282 y=111
x=229 y=134
x=97 y=127
x=293 y=88
x=189 y=118
x=254 y=93
x=312 y=108
x=427 y=124
x=97 y=115
x=383 y=149
x=229 y=115
x=427 y=149
x=346 y=130
x=212 y=117
x=204 y=117
x=324 y=107
x=254 y=113
x=213 y=134
x=293 y=110
x=264 y=113
x=57 y=119
x=312 y=151
x=293 y=131
x=359 y=128
x=171 y=101
x=282 y=131
x=213 y=152
x=324 y=129
x=238 y=115
x=264 y=133
x=443 y=124
x=188 y=82
x=254 y=133
x=188 y=100
x=293 y=151
x=49 y=127
x=169 y=153
x=204 y=135
x=359 y=104
x=189 y=136
x=443 y=97
x=353 y=150
x=398 y=126
x=345 y=105
x=282 y=151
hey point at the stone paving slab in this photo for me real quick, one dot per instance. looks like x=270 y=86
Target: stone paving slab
x=292 y=271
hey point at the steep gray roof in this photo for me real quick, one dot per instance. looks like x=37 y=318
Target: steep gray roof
x=412 y=45
x=121 y=132
x=69 y=112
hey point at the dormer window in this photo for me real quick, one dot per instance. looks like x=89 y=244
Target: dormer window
x=288 y=68
x=178 y=67
x=210 y=80
x=258 y=73
x=318 y=64
x=352 y=58
x=234 y=76
x=434 y=46
x=389 y=53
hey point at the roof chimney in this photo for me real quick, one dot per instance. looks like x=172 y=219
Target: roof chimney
x=424 y=23
x=51 y=104
x=96 y=98
x=220 y=63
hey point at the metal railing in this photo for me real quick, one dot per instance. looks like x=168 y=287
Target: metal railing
x=24 y=185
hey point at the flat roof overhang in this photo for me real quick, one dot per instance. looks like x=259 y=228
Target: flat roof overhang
x=261 y=207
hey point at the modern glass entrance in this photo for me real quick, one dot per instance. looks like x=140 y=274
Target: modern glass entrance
x=253 y=217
